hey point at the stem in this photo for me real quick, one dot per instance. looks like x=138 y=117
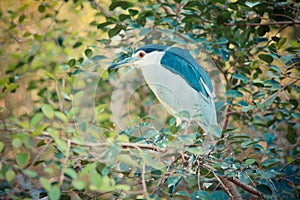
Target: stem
x=265 y=24
x=62 y=176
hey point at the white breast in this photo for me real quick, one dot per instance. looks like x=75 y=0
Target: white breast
x=176 y=94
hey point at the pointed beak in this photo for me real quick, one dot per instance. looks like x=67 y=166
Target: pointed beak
x=122 y=63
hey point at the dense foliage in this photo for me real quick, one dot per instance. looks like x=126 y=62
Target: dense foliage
x=69 y=129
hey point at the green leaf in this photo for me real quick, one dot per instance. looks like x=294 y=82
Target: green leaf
x=48 y=111
x=242 y=103
x=21 y=18
x=96 y=179
x=104 y=25
x=61 y=116
x=71 y=173
x=50 y=75
x=262 y=30
x=88 y=53
x=10 y=175
x=200 y=195
x=77 y=44
x=64 y=67
x=234 y=94
x=266 y=174
x=98 y=57
x=219 y=195
x=127 y=159
x=173 y=182
x=144 y=31
x=133 y=12
x=264 y=189
x=123 y=17
x=123 y=4
x=111 y=154
x=114 y=31
x=281 y=42
x=40 y=129
x=186 y=139
x=87 y=169
x=45 y=183
x=294 y=103
x=22 y=159
x=79 y=184
x=31 y=173
x=215 y=130
x=37 y=118
x=42 y=7
x=233 y=6
x=151 y=162
x=2 y=145
x=266 y=57
x=268 y=102
x=72 y=62
x=240 y=77
x=194 y=150
x=235 y=136
x=249 y=161
x=17 y=142
x=270 y=162
x=54 y=193
x=291 y=136
x=12 y=87
x=77 y=71
x=61 y=144
x=183 y=193
x=38 y=37
x=275 y=68
x=122 y=187
x=272 y=83
x=269 y=138
x=252 y=4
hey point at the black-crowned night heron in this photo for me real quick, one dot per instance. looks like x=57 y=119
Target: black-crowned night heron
x=177 y=80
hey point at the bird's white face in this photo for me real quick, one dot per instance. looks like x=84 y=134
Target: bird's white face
x=142 y=58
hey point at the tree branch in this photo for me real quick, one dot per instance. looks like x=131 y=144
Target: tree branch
x=102 y=10
x=244 y=186
x=168 y=10
x=264 y=24
x=64 y=163
x=145 y=192
x=279 y=91
x=229 y=187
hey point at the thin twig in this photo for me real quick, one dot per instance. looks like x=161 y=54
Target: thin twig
x=282 y=15
x=101 y=9
x=286 y=165
x=245 y=186
x=168 y=10
x=224 y=73
x=41 y=151
x=145 y=192
x=226 y=186
x=278 y=91
x=226 y=119
x=143 y=146
x=60 y=99
x=264 y=24
x=64 y=163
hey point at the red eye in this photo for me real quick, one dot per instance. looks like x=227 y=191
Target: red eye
x=142 y=54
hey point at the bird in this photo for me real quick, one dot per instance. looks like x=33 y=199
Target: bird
x=177 y=80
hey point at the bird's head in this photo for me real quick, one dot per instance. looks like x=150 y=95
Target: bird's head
x=148 y=54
